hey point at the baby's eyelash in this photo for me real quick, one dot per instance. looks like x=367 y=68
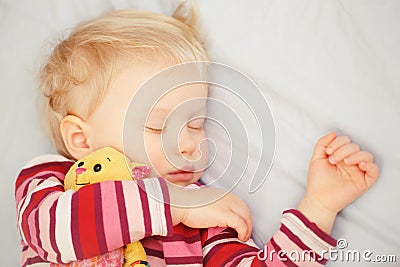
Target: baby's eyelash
x=195 y=127
x=153 y=130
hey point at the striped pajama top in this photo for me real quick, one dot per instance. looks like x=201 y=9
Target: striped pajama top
x=63 y=226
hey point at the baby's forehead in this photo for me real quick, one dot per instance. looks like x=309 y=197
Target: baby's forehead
x=153 y=87
x=194 y=94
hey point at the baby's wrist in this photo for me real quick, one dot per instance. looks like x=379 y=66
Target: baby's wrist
x=178 y=215
x=317 y=213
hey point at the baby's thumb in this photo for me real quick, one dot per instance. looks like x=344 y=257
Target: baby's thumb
x=320 y=146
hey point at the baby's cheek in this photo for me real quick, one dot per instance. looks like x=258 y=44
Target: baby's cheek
x=105 y=137
x=203 y=150
x=155 y=154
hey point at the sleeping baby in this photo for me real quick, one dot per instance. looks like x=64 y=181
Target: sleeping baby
x=87 y=84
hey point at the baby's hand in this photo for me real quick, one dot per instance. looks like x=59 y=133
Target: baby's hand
x=338 y=174
x=200 y=212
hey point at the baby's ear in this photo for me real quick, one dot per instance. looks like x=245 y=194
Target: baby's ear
x=73 y=130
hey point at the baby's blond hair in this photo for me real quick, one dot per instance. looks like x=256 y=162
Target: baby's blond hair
x=84 y=64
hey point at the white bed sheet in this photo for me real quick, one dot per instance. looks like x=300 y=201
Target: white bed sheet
x=323 y=65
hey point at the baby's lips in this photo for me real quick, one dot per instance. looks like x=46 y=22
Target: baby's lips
x=140 y=172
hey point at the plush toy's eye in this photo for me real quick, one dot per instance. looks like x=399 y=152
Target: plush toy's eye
x=80 y=164
x=97 y=167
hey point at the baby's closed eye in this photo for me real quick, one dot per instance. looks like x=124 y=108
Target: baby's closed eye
x=155 y=130
x=196 y=124
x=158 y=128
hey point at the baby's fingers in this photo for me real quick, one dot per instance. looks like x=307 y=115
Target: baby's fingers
x=320 y=146
x=343 y=152
x=371 y=172
x=244 y=213
x=359 y=156
x=337 y=143
x=236 y=222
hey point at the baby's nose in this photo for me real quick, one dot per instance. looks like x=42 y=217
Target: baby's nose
x=80 y=170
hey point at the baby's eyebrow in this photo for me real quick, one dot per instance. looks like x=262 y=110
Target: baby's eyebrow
x=158 y=113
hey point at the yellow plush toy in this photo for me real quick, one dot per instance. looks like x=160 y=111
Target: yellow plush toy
x=104 y=165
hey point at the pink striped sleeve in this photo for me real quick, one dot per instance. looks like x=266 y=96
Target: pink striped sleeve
x=60 y=226
x=298 y=242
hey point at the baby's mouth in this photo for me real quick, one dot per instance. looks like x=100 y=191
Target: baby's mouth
x=184 y=170
x=185 y=174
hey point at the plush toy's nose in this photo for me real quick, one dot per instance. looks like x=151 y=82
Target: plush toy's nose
x=80 y=170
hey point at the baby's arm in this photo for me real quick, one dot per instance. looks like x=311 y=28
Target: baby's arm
x=197 y=209
x=339 y=173
x=297 y=236
x=65 y=226
x=58 y=226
